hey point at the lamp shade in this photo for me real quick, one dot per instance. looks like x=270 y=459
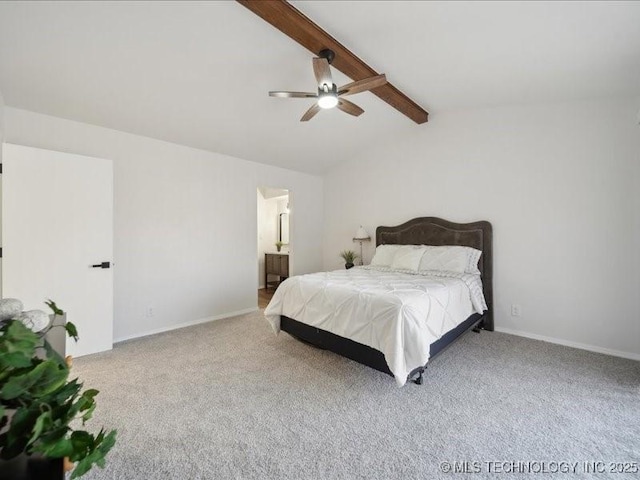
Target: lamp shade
x=361 y=234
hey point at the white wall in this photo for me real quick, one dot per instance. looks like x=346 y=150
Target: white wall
x=185 y=221
x=558 y=182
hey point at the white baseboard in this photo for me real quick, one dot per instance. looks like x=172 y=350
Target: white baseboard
x=568 y=343
x=186 y=324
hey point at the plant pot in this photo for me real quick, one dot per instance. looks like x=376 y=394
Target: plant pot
x=278 y=248
x=26 y=467
x=348 y=265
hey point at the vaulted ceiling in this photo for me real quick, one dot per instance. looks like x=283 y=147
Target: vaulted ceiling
x=198 y=73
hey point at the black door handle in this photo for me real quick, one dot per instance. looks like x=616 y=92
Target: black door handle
x=102 y=265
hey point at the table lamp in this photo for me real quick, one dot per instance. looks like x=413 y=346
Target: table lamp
x=361 y=236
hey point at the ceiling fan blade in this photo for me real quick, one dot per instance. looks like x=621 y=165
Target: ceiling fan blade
x=322 y=72
x=362 y=85
x=309 y=114
x=350 y=108
x=293 y=94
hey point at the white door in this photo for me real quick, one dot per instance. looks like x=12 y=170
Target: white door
x=57 y=221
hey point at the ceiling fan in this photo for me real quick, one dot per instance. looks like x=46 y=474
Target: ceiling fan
x=329 y=95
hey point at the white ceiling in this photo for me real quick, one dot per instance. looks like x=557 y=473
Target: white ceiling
x=198 y=73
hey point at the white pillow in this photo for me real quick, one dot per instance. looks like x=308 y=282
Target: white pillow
x=384 y=255
x=474 y=258
x=450 y=258
x=408 y=258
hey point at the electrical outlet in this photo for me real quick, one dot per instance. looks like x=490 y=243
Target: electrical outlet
x=150 y=312
x=516 y=310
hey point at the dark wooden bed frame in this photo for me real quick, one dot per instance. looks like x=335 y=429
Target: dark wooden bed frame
x=419 y=231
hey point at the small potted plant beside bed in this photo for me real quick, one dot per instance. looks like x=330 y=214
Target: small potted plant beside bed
x=39 y=404
x=349 y=257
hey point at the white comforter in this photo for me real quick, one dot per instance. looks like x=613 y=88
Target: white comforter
x=398 y=313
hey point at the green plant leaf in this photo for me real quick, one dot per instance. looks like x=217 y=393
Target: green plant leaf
x=19 y=385
x=348 y=256
x=17 y=345
x=102 y=446
x=54 y=308
x=82 y=442
x=42 y=422
x=88 y=404
x=90 y=393
x=59 y=448
x=81 y=404
x=88 y=413
x=108 y=442
x=72 y=331
x=15 y=360
x=53 y=442
x=46 y=377
x=70 y=389
x=54 y=378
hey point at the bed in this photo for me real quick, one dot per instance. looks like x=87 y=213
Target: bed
x=372 y=315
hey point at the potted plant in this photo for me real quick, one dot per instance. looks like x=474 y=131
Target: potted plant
x=349 y=256
x=38 y=404
x=279 y=245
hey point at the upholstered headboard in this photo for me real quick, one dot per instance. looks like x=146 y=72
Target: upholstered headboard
x=436 y=231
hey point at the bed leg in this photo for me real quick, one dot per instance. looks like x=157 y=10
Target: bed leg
x=479 y=326
x=419 y=379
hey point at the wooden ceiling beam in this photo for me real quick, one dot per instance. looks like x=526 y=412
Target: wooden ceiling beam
x=290 y=21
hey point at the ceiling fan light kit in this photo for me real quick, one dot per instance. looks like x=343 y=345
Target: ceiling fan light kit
x=328 y=98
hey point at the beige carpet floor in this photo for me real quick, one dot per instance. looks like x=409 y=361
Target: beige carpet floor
x=230 y=400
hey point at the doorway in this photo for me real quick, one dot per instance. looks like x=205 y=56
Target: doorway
x=274 y=245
